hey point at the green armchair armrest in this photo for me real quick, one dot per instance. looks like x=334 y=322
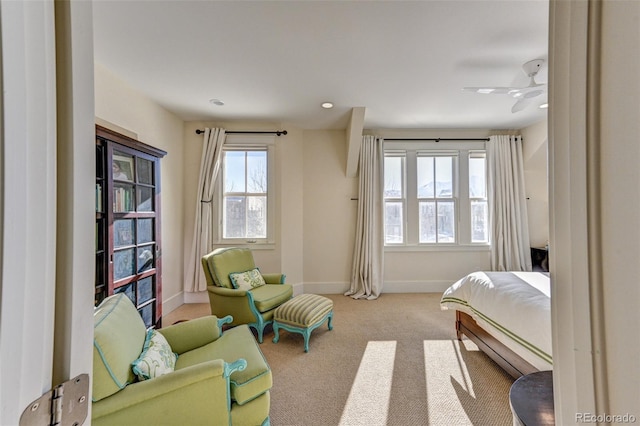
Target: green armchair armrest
x=174 y=398
x=274 y=278
x=189 y=335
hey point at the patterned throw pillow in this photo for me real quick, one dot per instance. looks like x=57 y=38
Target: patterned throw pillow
x=156 y=358
x=247 y=280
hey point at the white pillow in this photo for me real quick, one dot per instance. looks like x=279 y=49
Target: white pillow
x=247 y=280
x=156 y=358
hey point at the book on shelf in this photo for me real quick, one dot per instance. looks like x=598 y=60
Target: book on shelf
x=98 y=197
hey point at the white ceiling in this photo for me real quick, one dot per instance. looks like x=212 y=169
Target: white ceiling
x=277 y=61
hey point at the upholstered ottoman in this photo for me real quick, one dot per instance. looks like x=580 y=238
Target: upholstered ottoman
x=302 y=314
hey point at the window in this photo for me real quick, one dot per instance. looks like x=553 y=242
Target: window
x=435 y=194
x=245 y=193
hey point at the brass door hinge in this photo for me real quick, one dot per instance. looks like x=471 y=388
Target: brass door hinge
x=65 y=405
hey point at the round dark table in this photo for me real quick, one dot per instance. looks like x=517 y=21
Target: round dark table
x=531 y=399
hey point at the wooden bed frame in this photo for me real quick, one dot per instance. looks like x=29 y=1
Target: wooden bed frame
x=511 y=362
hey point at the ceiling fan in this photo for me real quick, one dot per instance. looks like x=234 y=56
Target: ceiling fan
x=523 y=95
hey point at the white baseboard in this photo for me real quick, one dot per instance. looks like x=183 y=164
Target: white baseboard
x=320 y=288
x=199 y=297
x=172 y=303
x=388 y=287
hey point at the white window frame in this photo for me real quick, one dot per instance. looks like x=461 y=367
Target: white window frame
x=461 y=152
x=247 y=143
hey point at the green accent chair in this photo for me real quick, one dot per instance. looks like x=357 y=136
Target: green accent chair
x=219 y=378
x=253 y=307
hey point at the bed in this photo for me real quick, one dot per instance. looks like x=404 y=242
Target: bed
x=508 y=315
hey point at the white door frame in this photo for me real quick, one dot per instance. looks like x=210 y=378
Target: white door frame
x=46 y=175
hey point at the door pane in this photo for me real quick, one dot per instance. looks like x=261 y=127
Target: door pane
x=122 y=167
x=145 y=197
x=123 y=198
x=145 y=231
x=128 y=290
x=123 y=232
x=123 y=263
x=145 y=171
x=145 y=258
x=145 y=290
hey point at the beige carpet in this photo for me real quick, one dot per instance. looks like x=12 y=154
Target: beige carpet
x=391 y=361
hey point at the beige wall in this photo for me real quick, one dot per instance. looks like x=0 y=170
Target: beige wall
x=126 y=108
x=536 y=182
x=329 y=212
x=316 y=215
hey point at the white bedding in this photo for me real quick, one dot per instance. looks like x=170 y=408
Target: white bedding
x=514 y=307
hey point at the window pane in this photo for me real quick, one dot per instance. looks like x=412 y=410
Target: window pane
x=479 y=222
x=257 y=172
x=393 y=177
x=425 y=177
x=256 y=217
x=444 y=177
x=427 y=222
x=477 y=177
x=234 y=217
x=234 y=171
x=393 y=220
x=446 y=222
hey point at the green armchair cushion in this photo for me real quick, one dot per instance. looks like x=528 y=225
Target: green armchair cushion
x=237 y=342
x=247 y=280
x=112 y=358
x=270 y=296
x=156 y=358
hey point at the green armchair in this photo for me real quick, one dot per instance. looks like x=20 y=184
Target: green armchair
x=218 y=378
x=253 y=307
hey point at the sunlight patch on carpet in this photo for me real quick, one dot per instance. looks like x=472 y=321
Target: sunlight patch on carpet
x=368 y=402
x=442 y=393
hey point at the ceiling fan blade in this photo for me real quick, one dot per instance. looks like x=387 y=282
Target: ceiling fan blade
x=520 y=104
x=490 y=90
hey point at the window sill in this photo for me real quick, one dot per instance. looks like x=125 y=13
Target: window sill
x=244 y=244
x=438 y=248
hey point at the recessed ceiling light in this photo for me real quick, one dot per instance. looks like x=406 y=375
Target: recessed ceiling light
x=217 y=102
x=327 y=105
x=543 y=106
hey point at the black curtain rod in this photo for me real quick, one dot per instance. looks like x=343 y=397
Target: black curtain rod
x=249 y=132
x=438 y=139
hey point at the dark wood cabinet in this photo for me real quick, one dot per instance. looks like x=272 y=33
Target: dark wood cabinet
x=128 y=223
